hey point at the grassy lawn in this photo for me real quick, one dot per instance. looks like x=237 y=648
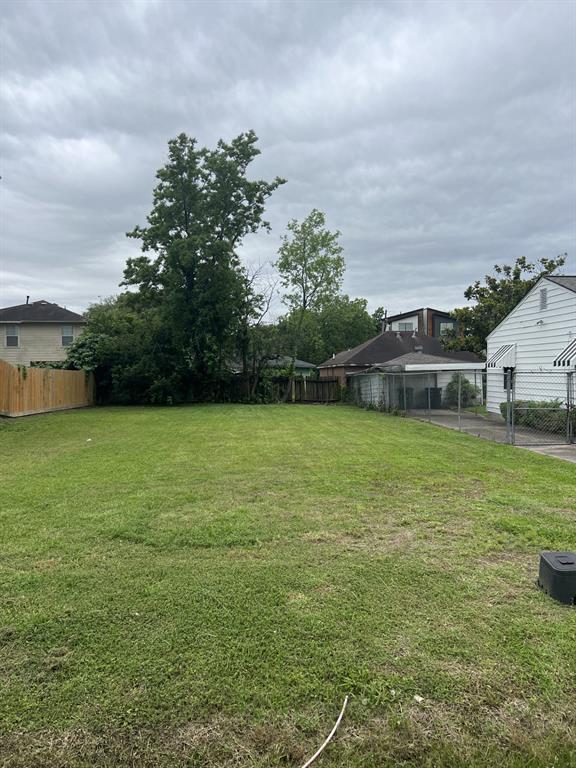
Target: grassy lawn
x=201 y=586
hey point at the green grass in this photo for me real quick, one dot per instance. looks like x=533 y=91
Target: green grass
x=481 y=410
x=202 y=586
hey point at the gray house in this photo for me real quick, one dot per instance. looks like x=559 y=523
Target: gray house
x=301 y=367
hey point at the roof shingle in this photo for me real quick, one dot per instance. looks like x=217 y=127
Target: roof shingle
x=392 y=344
x=566 y=281
x=39 y=312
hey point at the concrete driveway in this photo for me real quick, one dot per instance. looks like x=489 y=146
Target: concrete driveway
x=493 y=428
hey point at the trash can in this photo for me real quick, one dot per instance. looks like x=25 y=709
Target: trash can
x=433 y=395
x=409 y=404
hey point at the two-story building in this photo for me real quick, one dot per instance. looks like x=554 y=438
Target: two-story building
x=424 y=321
x=37 y=332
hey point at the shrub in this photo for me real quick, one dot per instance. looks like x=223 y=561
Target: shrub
x=468 y=392
x=545 y=415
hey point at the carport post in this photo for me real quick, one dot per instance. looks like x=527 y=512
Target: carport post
x=405 y=403
x=459 y=400
x=481 y=387
x=429 y=408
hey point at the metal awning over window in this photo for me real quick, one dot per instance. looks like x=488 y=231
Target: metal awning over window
x=567 y=357
x=505 y=357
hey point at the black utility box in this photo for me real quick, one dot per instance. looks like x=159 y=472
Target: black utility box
x=557 y=576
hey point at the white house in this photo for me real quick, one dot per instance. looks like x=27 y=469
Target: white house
x=537 y=340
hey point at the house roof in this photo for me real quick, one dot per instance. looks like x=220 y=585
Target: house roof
x=566 y=281
x=391 y=345
x=283 y=360
x=419 y=358
x=400 y=315
x=39 y=312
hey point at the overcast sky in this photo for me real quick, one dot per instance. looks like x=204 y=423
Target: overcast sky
x=439 y=137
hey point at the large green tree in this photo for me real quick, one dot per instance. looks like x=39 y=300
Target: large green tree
x=310 y=263
x=203 y=206
x=494 y=298
x=311 y=267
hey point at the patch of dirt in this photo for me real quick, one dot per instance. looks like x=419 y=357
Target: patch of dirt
x=410 y=733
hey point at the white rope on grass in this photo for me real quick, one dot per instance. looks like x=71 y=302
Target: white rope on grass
x=329 y=737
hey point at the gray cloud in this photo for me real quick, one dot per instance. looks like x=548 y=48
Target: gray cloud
x=438 y=137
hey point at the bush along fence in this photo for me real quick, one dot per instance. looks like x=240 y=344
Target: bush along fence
x=516 y=407
x=24 y=391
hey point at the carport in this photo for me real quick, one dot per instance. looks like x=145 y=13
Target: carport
x=419 y=382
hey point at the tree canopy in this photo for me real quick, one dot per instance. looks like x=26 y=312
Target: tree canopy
x=340 y=323
x=495 y=297
x=310 y=263
x=188 y=321
x=203 y=207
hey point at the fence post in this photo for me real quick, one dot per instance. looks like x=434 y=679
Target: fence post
x=459 y=401
x=569 y=406
x=513 y=398
x=508 y=406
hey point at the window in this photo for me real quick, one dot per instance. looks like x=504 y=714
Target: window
x=446 y=327
x=67 y=335
x=543 y=298
x=405 y=326
x=12 y=336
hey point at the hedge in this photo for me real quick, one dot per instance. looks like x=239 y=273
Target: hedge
x=546 y=415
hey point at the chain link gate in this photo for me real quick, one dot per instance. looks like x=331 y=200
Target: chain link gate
x=540 y=407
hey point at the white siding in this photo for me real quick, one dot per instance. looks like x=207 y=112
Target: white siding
x=38 y=342
x=394 y=326
x=537 y=346
x=371 y=388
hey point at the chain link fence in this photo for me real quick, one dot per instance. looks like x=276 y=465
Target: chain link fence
x=539 y=408
x=507 y=406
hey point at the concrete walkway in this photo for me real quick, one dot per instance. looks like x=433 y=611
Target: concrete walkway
x=494 y=429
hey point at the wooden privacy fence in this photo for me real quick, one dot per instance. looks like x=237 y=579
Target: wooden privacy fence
x=24 y=391
x=316 y=390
